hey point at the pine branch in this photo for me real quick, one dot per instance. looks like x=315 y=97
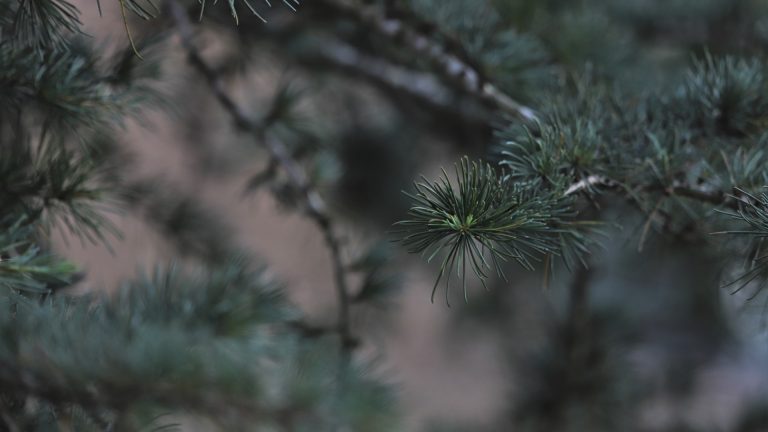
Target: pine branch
x=45 y=24
x=68 y=88
x=713 y=197
x=53 y=185
x=752 y=210
x=177 y=341
x=397 y=79
x=219 y=342
x=17 y=380
x=24 y=267
x=314 y=204
x=451 y=66
x=488 y=219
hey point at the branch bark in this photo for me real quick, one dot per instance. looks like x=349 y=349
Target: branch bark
x=314 y=204
x=422 y=86
x=452 y=66
x=714 y=197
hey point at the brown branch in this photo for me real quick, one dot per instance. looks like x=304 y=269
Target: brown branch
x=713 y=197
x=732 y=201
x=314 y=204
x=586 y=183
x=452 y=66
x=422 y=86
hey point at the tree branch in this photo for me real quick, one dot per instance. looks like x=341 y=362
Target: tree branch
x=422 y=86
x=314 y=204
x=452 y=66
x=714 y=197
x=118 y=397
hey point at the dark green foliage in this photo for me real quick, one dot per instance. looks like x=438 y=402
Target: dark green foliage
x=655 y=123
x=179 y=342
x=239 y=6
x=485 y=220
x=742 y=168
x=24 y=267
x=220 y=341
x=558 y=154
x=138 y=333
x=144 y=9
x=644 y=115
x=45 y=24
x=589 y=35
x=51 y=185
x=66 y=88
x=726 y=96
x=225 y=301
x=752 y=212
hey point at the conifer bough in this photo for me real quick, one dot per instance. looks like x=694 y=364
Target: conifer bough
x=484 y=220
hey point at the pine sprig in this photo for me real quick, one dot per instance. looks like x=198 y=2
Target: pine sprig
x=53 y=186
x=66 y=88
x=753 y=212
x=24 y=267
x=485 y=220
x=225 y=301
x=214 y=341
x=43 y=24
x=560 y=153
x=727 y=95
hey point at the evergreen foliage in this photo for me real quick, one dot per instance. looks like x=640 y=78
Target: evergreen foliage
x=608 y=132
x=219 y=341
x=488 y=216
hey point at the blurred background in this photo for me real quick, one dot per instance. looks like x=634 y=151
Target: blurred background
x=667 y=349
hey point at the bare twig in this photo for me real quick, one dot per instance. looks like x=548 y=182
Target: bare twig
x=262 y=177
x=587 y=182
x=422 y=86
x=713 y=197
x=453 y=66
x=314 y=204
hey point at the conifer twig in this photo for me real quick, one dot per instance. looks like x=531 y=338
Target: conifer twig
x=314 y=204
x=714 y=197
x=452 y=66
x=422 y=86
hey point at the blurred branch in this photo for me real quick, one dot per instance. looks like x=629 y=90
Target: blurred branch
x=262 y=177
x=713 y=197
x=451 y=64
x=121 y=397
x=419 y=85
x=314 y=204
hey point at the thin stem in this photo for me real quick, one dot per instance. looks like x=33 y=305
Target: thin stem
x=450 y=62
x=315 y=206
x=422 y=86
x=714 y=197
